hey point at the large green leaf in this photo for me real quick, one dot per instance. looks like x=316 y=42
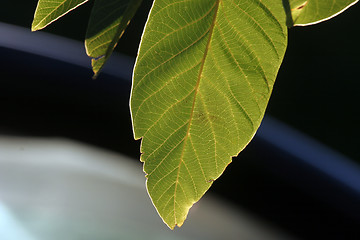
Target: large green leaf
x=48 y=11
x=202 y=81
x=307 y=12
x=108 y=21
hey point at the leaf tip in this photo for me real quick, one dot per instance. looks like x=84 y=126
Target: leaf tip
x=34 y=28
x=97 y=64
x=172 y=226
x=96 y=73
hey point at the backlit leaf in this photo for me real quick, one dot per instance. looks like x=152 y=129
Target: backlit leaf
x=48 y=11
x=108 y=21
x=202 y=81
x=307 y=12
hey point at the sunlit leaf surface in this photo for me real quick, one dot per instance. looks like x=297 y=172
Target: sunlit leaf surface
x=48 y=11
x=306 y=12
x=202 y=80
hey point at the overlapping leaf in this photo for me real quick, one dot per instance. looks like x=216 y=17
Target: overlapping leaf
x=202 y=80
x=48 y=11
x=108 y=21
x=306 y=12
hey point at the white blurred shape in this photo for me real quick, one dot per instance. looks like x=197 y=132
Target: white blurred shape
x=59 y=189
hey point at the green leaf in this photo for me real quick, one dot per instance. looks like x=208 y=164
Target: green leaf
x=314 y=11
x=48 y=11
x=107 y=23
x=202 y=81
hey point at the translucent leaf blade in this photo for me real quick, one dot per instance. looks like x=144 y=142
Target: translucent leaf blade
x=48 y=11
x=308 y=12
x=107 y=23
x=202 y=80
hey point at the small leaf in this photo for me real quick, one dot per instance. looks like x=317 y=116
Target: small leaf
x=48 y=11
x=307 y=12
x=202 y=81
x=108 y=21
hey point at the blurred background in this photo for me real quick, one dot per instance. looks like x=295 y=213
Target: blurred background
x=298 y=179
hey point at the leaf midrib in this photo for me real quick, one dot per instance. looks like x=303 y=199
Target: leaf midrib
x=196 y=89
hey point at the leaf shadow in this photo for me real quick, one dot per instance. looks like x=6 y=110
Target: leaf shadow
x=100 y=17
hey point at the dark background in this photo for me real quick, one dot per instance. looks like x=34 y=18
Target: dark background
x=317 y=92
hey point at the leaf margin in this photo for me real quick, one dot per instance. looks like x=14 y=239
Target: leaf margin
x=141 y=136
x=37 y=23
